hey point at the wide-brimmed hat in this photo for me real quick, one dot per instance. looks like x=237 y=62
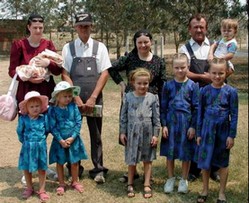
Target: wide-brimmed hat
x=83 y=19
x=28 y=96
x=63 y=85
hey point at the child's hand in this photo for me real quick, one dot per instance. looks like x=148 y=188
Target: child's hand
x=229 y=142
x=123 y=139
x=198 y=141
x=69 y=141
x=154 y=141
x=210 y=57
x=64 y=144
x=191 y=133
x=165 y=132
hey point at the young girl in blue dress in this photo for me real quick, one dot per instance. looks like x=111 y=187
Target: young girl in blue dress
x=139 y=128
x=217 y=127
x=32 y=130
x=65 y=123
x=179 y=106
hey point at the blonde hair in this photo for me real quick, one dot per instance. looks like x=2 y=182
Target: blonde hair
x=218 y=61
x=56 y=103
x=138 y=72
x=230 y=23
x=180 y=56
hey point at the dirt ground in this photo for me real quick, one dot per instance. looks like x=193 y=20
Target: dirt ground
x=11 y=187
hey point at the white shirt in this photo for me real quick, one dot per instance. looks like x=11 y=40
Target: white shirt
x=85 y=50
x=200 y=51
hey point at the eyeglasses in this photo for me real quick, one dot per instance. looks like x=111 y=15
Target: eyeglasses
x=36 y=20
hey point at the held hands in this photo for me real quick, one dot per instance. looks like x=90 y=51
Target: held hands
x=69 y=141
x=123 y=139
x=154 y=141
x=66 y=143
x=191 y=133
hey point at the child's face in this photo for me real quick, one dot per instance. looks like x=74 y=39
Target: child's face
x=34 y=108
x=218 y=74
x=228 y=33
x=64 y=98
x=141 y=85
x=180 y=69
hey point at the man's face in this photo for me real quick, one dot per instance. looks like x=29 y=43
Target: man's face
x=83 y=31
x=198 y=30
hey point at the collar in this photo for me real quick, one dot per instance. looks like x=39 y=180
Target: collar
x=79 y=43
x=193 y=42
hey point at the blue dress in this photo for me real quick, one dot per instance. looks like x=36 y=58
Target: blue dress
x=179 y=112
x=140 y=121
x=65 y=123
x=32 y=133
x=217 y=120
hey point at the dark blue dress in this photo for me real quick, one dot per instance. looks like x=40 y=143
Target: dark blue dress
x=179 y=112
x=217 y=120
x=65 y=123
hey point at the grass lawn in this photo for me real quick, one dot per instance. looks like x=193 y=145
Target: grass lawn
x=113 y=191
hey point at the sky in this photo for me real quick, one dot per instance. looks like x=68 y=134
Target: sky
x=4 y=12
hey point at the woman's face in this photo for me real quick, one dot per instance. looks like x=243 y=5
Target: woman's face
x=36 y=29
x=143 y=44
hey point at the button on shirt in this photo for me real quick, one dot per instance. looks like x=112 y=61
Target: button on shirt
x=200 y=52
x=85 y=50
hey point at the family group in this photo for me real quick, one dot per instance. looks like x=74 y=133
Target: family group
x=196 y=111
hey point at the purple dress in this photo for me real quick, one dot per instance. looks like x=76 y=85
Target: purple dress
x=217 y=120
x=179 y=112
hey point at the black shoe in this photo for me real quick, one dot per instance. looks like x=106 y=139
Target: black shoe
x=191 y=177
x=124 y=178
x=81 y=170
x=215 y=176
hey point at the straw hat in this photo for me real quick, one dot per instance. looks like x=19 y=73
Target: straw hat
x=28 y=96
x=63 y=85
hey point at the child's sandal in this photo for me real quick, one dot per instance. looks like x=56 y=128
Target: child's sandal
x=43 y=196
x=78 y=187
x=60 y=190
x=130 y=191
x=147 y=193
x=27 y=193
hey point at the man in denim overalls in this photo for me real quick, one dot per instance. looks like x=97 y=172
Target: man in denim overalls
x=197 y=49
x=85 y=64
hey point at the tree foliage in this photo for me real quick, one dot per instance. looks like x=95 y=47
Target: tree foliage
x=116 y=19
